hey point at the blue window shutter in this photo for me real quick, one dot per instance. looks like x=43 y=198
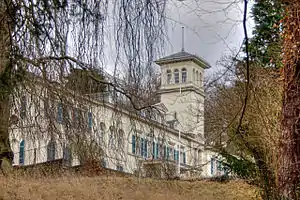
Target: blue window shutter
x=90 y=120
x=133 y=144
x=22 y=152
x=184 y=158
x=212 y=166
x=59 y=113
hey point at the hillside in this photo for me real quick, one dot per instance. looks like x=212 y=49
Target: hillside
x=113 y=187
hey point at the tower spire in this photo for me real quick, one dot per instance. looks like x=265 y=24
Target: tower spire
x=182 y=44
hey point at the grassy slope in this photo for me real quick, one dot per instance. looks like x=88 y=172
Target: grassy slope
x=90 y=188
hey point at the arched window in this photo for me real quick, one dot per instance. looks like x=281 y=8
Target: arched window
x=200 y=78
x=169 y=76
x=22 y=152
x=51 y=150
x=183 y=75
x=197 y=77
x=194 y=75
x=176 y=75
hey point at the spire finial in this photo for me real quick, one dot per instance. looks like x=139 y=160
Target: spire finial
x=182 y=45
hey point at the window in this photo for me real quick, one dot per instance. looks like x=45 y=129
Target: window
x=194 y=75
x=90 y=120
x=197 y=77
x=176 y=155
x=103 y=163
x=176 y=75
x=168 y=153
x=183 y=75
x=59 y=113
x=22 y=152
x=165 y=151
x=51 y=150
x=144 y=147
x=120 y=168
x=133 y=144
x=67 y=155
x=184 y=158
x=169 y=76
x=34 y=155
x=200 y=78
x=155 y=150
x=212 y=161
x=23 y=107
x=219 y=165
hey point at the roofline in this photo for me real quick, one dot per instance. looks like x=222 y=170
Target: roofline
x=202 y=63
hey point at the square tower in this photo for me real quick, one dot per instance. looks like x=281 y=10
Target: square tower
x=182 y=90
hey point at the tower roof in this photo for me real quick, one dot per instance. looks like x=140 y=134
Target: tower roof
x=183 y=56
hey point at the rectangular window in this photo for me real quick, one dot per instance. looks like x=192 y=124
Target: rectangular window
x=120 y=168
x=165 y=151
x=219 y=166
x=59 y=113
x=155 y=150
x=212 y=161
x=142 y=147
x=133 y=144
x=103 y=163
x=168 y=153
x=176 y=155
x=90 y=120
x=184 y=158
x=145 y=148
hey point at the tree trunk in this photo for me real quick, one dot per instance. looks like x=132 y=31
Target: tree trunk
x=7 y=25
x=289 y=170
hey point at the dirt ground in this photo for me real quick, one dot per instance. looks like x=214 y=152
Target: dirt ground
x=125 y=188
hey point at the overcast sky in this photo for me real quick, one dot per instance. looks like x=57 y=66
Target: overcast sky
x=213 y=28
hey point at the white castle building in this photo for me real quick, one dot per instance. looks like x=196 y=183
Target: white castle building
x=170 y=134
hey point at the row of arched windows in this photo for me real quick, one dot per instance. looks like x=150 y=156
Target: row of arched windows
x=51 y=152
x=197 y=76
x=176 y=76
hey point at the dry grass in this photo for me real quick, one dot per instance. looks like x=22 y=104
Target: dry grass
x=102 y=187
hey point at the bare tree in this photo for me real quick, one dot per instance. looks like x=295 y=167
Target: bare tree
x=48 y=39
